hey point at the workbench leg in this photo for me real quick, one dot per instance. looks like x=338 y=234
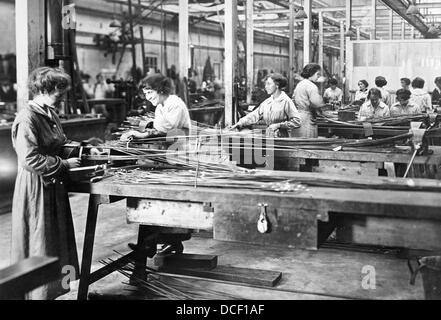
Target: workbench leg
x=145 y=248
x=89 y=238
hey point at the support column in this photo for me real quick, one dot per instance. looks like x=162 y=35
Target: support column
x=133 y=42
x=413 y=32
x=321 y=40
x=230 y=58
x=292 y=45
x=391 y=24
x=348 y=14
x=30 y=43
x=183 y=39
x=250 y=50
x=342 y=49
x=358 y=34
x=403 y=30
x=374 y=20
x=307 y=33
x=346 y=43
x=141 y=34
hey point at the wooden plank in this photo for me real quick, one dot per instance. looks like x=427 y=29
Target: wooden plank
x=352 y=169
x=328 y=130
x=424 y=205
x=288 y=227
x=186 y=261
x=434 y=159
x=179 y=214
x=20 y=278
x=232 y=274
x=404 y=233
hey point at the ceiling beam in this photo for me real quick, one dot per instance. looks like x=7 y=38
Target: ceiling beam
x=400 y=7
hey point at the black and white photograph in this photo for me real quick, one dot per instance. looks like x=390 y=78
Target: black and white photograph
x=220 y=156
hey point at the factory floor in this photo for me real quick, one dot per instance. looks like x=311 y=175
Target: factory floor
x=325 y=274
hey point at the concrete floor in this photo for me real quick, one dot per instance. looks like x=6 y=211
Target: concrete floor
x=326 y=274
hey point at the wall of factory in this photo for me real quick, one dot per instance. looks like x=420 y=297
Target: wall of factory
x=394 y=59
x=7 y=27
x=93 y=59
x=269 y=54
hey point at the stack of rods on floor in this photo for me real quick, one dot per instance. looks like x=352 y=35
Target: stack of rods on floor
x=167 y=286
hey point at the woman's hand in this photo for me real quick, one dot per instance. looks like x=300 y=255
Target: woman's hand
x=233 y=127
x=128 y=135
x=96 y=152
x=273 y=130
x=74 y=163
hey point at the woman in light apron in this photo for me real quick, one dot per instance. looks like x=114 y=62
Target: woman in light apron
x=308 y=101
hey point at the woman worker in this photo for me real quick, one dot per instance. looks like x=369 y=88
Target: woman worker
x=41 y=216
x=171 y=112
x=374 y=107
x=362 y=92
x=404 y=106
x=278 y=111
x=307 y=98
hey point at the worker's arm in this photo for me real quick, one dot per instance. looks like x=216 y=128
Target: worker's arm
x=293 y=116
x=30 y=156
x=250 y=118
x=340 y=96
x=429 y=103
x=170 y=118
x=315 y=98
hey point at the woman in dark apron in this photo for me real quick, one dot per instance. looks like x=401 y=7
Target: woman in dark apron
x=41 y=217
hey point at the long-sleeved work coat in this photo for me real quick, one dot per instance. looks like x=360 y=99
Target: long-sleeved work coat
x=281 y=110
x=41 y=217
x=307 y=97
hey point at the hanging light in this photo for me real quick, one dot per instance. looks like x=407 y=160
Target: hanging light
x=301 y=14
x=350 y=33
x=413 y=9
x=433 y=29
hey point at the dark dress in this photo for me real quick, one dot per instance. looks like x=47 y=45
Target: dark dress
x=42 y=222
x=436 y=97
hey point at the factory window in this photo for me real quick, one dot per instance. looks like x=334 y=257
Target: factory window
x=151 y=63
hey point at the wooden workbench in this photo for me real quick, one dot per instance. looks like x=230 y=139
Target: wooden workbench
x=298 y=220
x=359 y=163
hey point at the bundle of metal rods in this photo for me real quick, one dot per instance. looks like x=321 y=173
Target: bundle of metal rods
x=403 y=120
x=270 y=181
x=214 y=149
x=247 y=179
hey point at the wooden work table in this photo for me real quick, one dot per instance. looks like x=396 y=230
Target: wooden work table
x=298 y=220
